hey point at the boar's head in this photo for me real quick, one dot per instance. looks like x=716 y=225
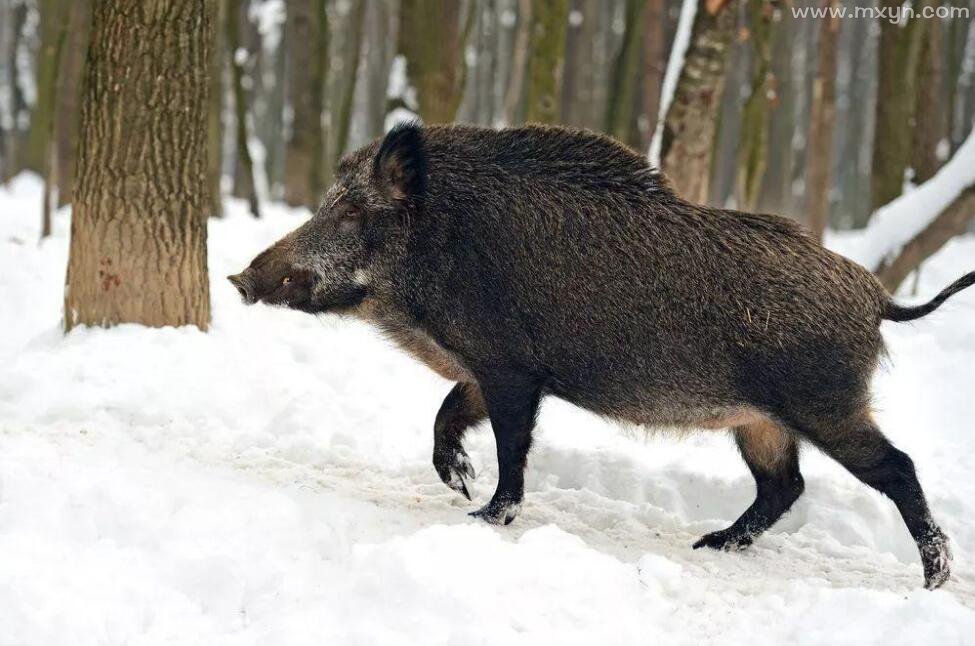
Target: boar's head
x=328 y=263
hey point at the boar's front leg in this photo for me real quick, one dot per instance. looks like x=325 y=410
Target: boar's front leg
x=461 y=409
x=512 y=404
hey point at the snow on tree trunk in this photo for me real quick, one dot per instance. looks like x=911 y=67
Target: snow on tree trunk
x=895 y=225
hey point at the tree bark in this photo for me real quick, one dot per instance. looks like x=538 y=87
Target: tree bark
x=900 y=47
x=549 y=22
x=247 y=186
x=625 y=78
x=654 y=64
x=343 y=111
x=308 y=49
x=752 y=153
x=51 y=29
x=138 y=233
x=48 y=167
x=519 y=61
x=430 y=38
x=68 y=99
x=820 y=151
x=215 y=131
x=691 y=122
x=953 y=221
x=931 y=126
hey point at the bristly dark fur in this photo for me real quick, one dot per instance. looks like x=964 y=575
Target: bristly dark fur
x=537 y=261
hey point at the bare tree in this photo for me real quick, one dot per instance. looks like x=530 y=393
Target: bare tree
x=900 y=50
x=215 y=131
x=931 y=123
x=822 y=113
x=519 y=61
x=308 y=40
x=431 y=40
x=549 y=21
x=68 y=98
x=625 y=80
x=753 y=139
x=237 y=56
x=138 y=233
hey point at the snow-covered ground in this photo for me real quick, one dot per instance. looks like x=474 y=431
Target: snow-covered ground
x=269 y=482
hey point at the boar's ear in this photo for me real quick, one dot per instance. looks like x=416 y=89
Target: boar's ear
x=400 y=167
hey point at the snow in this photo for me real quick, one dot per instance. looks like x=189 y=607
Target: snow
x=896 y=223
x=270 y=482
x=675 y=63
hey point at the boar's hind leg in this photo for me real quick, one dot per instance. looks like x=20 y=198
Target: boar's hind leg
x=461 y=409
x=512 y=403
x=772 y=456
x=860 y=447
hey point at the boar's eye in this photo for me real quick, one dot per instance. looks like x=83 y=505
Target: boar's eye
x=286 y=280
x=350 y=212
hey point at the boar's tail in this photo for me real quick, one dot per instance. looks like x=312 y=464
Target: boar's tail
x=897 y=312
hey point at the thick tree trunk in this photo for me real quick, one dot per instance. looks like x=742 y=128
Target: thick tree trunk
x=820 y=152
x=138 y=233
x=307 y=43
x=247 y=185
x=689 y=128
x=431 y=39
x=549 y=22
x=953 y=221
x=752 y=153
x=900 y=47
x=625 y=79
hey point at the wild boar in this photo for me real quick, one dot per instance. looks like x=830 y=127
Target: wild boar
x=536 y=261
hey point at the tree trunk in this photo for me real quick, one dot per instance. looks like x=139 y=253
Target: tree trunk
x=48 y=167
x=625 y=78
x=900 y=47
x=69 y=97
x=11 y=39
x=691 y=121
x=753 y=142
x=138 y=233
x=218 y=14
x=820 y=143
x=932 y=126
x=549 y=22
x=308 y=49
x=953 y=221
x=654 y=63
x=51 y=29
x=247 y=186
x=431 y=40
x=519 y=61
x=343 y=110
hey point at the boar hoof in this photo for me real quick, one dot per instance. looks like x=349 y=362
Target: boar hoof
x=497 y=512
x=725 y=540
x=936 y=559
x=454 y=468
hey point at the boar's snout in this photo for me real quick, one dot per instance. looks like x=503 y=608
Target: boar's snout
x=245 y=285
